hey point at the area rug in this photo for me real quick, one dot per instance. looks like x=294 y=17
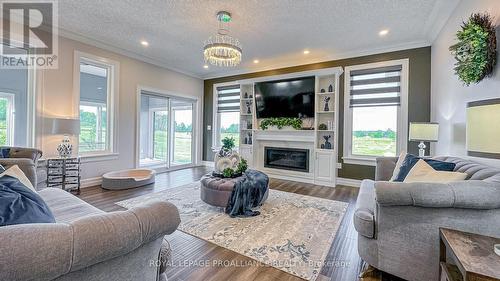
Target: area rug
x=293 y=232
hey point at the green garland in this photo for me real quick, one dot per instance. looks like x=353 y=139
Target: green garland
x=281 y=122
x=475 y=51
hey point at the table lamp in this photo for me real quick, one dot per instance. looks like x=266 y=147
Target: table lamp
x=483 y=132
x=67 y=127
x=422 y=132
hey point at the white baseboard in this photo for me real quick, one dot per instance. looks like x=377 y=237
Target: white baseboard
x=91 y=182
x=349 y=182
x=207 y=163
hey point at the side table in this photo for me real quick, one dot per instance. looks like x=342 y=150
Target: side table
x=472 y=256
x=64 y=173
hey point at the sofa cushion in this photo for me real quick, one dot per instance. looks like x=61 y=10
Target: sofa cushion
x=21 y=205
x=65 y=206
x=15 y=172
x=423 y=172
x=401 y=159
x=364 y=215
x=411 y=160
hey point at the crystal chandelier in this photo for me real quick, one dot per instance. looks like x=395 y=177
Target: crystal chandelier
x=222 y=49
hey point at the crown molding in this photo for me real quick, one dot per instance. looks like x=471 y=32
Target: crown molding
x=339 y=56
x=438 y=18
x=105 y=46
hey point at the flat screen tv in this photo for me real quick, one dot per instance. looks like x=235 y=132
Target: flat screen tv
x=285 y=98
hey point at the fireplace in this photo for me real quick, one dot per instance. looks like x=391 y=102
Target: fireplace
x=286 y=158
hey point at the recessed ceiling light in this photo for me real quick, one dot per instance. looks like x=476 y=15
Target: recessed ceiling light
x=144 y=43
x=205 y=66
x=306 y=52
x=383 y=32
x=255 y=61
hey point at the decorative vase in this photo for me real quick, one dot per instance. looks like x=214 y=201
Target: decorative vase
x=246 y=95
x=330 y=88
x=322 y=90
x=328 y=144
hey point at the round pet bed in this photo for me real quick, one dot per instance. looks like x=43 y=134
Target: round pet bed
x=128 y=179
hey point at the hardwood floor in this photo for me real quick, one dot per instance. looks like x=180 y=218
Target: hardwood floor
x=195 y=259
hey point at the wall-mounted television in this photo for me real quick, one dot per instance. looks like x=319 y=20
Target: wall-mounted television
x=285 y=98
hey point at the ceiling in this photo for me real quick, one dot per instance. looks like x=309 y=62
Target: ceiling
x=276 y=32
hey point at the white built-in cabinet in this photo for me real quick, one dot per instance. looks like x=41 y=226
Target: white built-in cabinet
x=323 y=158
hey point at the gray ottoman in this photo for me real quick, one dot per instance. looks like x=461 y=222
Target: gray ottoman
x=217 y=191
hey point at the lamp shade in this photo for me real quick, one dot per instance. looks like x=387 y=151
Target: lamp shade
x=483 y=133
x=65 y=126
x=420 y=131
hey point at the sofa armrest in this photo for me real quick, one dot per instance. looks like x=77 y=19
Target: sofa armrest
x=46 y=251
x=470 y=194
x=385 y=168
x=26 y=165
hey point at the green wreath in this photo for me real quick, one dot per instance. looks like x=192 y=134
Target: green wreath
x=476 y=50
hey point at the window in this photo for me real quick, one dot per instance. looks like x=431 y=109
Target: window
x=166 y=131
x=375 y=109
x=227 y=119
x=16 y=106
x=7 y=110
x=97 y=80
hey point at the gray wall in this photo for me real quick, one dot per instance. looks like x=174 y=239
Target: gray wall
x=449 y=95
x=15 y=81
x=419 y=98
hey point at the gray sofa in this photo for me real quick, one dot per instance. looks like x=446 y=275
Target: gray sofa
x=398 y=223
x=86 y=243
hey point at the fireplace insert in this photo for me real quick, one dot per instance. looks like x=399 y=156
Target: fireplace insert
x=293 y=159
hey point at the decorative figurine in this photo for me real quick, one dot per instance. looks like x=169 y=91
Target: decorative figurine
x=328 y=145
x=326 y=100
x=322 y=146
x=249 y=103
x=246 y=95
x=322 y=90
x=330 y=88
x=250 y=96
x=249 y=138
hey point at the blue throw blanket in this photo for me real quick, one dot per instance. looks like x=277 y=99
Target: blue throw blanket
x=19 y=204
x=248 y=193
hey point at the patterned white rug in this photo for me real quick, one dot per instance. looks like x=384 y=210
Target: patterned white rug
x=293 y=232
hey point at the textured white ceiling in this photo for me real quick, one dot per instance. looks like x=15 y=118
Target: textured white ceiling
x=274 y=31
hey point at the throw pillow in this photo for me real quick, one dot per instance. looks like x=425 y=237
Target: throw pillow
x=19 y=204
x=401 y=159
x=17 y=173
x=411 y=160
x=423 y=172
x=5 y=152
x=2 y=169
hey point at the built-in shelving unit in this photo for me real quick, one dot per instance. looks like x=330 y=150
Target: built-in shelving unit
x=323 y=156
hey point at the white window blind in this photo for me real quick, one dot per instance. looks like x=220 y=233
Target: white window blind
x=376 y=87
x=228 y=99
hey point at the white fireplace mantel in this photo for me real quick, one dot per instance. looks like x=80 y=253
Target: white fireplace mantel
x=284 y=135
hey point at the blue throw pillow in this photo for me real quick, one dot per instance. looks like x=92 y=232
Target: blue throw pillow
x=4 y=152
x=411 y=160
x=19 y=204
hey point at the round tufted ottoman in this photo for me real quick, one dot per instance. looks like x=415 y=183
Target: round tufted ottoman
x=216 y=191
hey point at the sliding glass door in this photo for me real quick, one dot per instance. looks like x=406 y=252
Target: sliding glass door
x=182 y=113
x=166 y=131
